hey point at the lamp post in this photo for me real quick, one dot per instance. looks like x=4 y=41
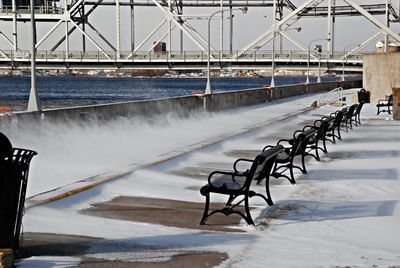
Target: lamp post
x=318 y=49
x=34 y=101
x=309 y=52
x=298 y=29
x=272 y=84
x=208 y=86
x=345 y=57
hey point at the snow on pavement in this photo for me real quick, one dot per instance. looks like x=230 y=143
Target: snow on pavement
x=344 y=213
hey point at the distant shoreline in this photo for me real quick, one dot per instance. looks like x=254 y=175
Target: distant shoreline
x=161 y=74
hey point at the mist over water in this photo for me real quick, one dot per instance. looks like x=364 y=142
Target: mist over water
x=71 y=151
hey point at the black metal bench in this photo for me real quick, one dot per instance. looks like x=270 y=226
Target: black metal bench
x=356 y=114
x=384 y=105
x=348 y=114
x=334 y=123
x=237 y=184
x=285 y=160
x=321 y=128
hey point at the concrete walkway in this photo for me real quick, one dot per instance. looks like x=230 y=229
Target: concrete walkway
x=148 y=217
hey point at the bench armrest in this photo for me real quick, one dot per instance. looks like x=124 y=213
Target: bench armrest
x=284 y=140
x=226 y=182
x=267 y=147
x=241 y=159
x=307 y=127
x=217 y=172
x=296 y=132
x=382 y=101
x=318 y=123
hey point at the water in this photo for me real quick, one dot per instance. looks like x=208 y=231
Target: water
x=66 y=91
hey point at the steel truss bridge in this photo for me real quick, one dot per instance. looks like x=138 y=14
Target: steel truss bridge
x=75 y=16
x=187 y=60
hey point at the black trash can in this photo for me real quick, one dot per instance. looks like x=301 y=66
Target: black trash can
x=14 y=169
x=363 y=96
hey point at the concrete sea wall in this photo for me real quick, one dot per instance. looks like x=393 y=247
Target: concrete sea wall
x=381 y=72
x=227 y=100
x=181 y=105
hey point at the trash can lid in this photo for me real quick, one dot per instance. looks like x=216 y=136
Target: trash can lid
x=5 y=146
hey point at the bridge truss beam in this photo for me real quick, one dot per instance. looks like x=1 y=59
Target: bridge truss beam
x=75 y=15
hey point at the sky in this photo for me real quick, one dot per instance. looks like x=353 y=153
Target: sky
x=247 y=27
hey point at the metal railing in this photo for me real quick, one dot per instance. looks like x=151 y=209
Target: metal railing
x=176 y=56
x=47 y=9
x=336 y=95
x=332 y=96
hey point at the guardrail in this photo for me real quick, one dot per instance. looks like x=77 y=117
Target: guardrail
x=177 y=56
x=335 y=95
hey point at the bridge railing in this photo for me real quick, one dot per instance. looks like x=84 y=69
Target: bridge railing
x=46 y=9
x=178 y=56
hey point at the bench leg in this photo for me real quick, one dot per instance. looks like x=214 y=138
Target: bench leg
x=276 y=174
x=248 y=217
x=339 y=135
x=292 y=180
x=355 y=121
x=304 y=170
x=206 y=208
x=333 y=136
x=290 y=166
x=267 y=199
x=324 y=144
x=230 y=200
x=316 y=152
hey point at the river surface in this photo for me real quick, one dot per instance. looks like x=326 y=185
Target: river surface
x=69 y=90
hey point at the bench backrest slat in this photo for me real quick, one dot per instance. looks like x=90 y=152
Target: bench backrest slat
x=359 y=107
x=301 y=141
x=322 y=129
x=390 y=100
x=265 y=162
x=350 y=111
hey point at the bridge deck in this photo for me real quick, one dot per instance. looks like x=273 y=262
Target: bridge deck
x=196 y=59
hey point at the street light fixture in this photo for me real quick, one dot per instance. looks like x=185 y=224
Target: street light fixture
x=208 y=86
x=309 y=52
x=318 y=49
x=345 y=56
x=298 y=29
